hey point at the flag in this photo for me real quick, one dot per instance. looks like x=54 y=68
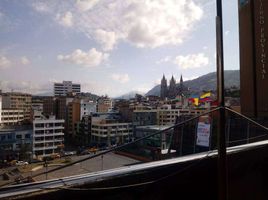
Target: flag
x=207 y=94
x=196 y=101
x=206 y=99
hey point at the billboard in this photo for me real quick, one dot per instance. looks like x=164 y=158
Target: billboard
x=203 y=131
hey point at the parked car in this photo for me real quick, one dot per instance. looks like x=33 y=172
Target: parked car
x=55 y=155
x=21 y=163
x=68 y=153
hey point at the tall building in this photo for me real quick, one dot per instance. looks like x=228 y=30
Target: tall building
x=20 y=101
x=48 y=136
x=172 y=91
x=104 y=105
x=49 y=106
x=107 y=132
x=181 y=86
x=253 y=33
x=164 y=88
x=73 y=114
x=87 y=107
x=65 y=88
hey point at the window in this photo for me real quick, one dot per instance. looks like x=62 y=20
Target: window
x=3 y=137
x=18 y=136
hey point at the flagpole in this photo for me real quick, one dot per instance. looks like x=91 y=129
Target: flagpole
x=222 y=165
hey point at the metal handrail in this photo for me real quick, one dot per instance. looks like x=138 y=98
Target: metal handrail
x=140 y=139
x=118 y=147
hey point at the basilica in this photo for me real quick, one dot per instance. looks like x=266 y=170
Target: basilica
x=173 y=89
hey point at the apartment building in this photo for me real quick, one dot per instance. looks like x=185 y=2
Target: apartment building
x=10 y=116
x=104 y=105
x=12 y=139
x=108 y=131
x=87 y=107
x=166 y=115
x=65 y=88
x=48 y=136
x=18 y=101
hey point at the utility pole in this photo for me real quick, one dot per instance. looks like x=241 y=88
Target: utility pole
x=222 y=165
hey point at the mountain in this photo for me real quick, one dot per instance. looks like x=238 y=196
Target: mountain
x=93 y=97
x=129 y=95
x=206 y=82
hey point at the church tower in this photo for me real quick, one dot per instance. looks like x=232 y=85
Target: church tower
x=181 y=86
x=172 y=88
x=164 y=89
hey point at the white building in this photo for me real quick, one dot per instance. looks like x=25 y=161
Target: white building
x=87 y=107
x=66 y=87
x=48 y=136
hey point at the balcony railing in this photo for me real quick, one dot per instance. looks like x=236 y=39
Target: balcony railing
x=178 y=147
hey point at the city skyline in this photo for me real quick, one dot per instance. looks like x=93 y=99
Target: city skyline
x=110 y=47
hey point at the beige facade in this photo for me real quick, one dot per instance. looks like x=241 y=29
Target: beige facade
x=104 y=105
x=111 y=133
x=11 y=117
x=166 y=115
x=18 y=101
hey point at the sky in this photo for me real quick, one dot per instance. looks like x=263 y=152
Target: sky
x=111 y=47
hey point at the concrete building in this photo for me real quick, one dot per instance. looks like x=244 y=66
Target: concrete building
x=83 y=131
x=48 y=136
x=104 y=105
x=15 y=141
x=87 y=107
x=65 y=88
x=166 y=115
x=19 y=101
x=159 y=141
x=11 y=117
x=106 y=129
x=49 y=106
x=73 y=114
x=144 y=117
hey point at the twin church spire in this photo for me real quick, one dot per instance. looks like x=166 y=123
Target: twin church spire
x=173 y=90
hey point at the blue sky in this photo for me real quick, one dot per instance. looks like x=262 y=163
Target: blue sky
x=110 y=46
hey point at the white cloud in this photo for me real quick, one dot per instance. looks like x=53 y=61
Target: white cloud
x=106 y=39
x=98 y=88
x=122 y=78
x=142 y=23
x=164 y=60
x=89 y=59
x=85 y=5
x=189 y=78
x=41 y=7
x=4 y=62
x=192 y=61
x=25 y=86
x=66 y=19
x=227 y=32
x=144 y=88
x=153 y=24
x=25 y=60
